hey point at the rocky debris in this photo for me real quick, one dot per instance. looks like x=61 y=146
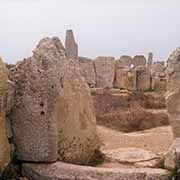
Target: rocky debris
x=124 y=61
x=129 y=111
x=172 y=158
x=173 y=107
x=71 y=46
x=133 y=157
x=4 y=144
x=52 y=117
x=59 y=171
x=173 y=71
x=88 y=71
x=105 y=71
x=150 y=59
x=143 y=78
x=139 y=60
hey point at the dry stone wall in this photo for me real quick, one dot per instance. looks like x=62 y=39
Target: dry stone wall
x=125 y=73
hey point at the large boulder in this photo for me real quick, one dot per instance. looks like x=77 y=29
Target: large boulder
x=4 y=145
x=88 y=71
x=105 y=71
x=53 y=117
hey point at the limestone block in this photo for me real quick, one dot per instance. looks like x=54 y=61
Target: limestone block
x=88 y=71
x=105 y=71
x=53 y=116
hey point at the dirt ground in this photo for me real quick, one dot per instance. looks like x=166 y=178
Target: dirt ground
x=146 y=148
x=156 y=140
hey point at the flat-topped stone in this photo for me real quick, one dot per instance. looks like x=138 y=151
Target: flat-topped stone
x=133 y=157
x=63 y=171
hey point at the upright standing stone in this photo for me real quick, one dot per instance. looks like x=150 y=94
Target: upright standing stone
x=124 y=77
x=139 y=60
x=173 y=71
x=143 y=76
x=4 y=145
x=71 y=46
x=150 y=59
x=105 y=71
x=53 y=117
x=88 y=71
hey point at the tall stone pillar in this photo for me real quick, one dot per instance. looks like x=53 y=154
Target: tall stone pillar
x=150 y=59
x=71 y=46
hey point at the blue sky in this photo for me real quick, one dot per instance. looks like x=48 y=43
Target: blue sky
x=101 y=27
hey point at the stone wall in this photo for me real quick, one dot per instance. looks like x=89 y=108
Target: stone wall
x=124 y=73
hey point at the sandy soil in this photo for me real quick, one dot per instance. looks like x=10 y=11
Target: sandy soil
x=156 y=140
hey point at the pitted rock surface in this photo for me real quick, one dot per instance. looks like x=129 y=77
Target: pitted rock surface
x=52 y=117
x=4 y=145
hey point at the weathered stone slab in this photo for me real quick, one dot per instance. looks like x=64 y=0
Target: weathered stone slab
x=173 y=107
x=88 y=71
x=139 y=60
x=4 y=145
x=71 y=46
x=173 y=71
x=121 y=74
x=62 y=171
x=159 y=82
x=133 y=157
x=143 y=78
x=105 y=71
x=53 y=116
